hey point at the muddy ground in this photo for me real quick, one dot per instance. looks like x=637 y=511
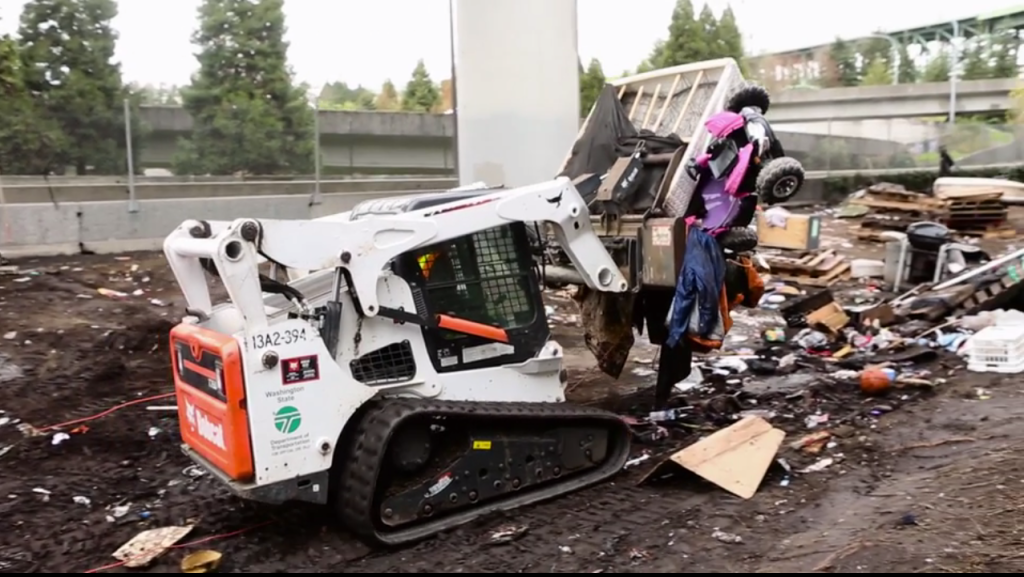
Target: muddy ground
x=922 y=482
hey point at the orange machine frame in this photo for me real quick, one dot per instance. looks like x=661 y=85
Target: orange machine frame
x=236 y=459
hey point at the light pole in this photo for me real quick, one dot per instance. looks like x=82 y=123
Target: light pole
x=954 y=57
x=133 y=201
x=314 y=96
x=455 y=91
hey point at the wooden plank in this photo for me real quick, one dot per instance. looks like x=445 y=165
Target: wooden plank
x=896 y=205
x=650 y=108
x=813 y=263
x=636 y=102
x=689 y=98
x=668 y=100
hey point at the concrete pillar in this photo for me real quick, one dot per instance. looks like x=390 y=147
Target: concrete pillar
x=516 y=88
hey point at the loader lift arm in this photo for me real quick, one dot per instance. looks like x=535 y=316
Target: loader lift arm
x=362 y=248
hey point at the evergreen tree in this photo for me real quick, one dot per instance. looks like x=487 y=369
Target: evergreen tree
x=68 y=51
x=421 y=94
x=843 y=66
x=248 y=116
x=728 y=39
x=877 y=73
x=938 y=68
x=30 y=141
x=1004 y=48
x=708 y=25
x=976 y=63
x=687 y=40
x=387 y=100
x=592 y=81
x=907 y=68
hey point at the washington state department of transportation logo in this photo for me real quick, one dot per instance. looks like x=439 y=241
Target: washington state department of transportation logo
x=287 y=420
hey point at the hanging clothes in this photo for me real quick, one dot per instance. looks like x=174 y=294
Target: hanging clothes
x=700 y=309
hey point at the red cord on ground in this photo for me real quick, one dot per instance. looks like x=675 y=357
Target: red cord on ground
x=189 y=544
x=107 y=412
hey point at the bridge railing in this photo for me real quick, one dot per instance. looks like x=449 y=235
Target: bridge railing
x=903 y=144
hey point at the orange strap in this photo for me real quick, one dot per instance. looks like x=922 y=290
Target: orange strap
x=472 y=328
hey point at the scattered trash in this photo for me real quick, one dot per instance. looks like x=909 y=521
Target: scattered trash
x=205 y=561
x=148 y=545
x=8 y=370
x=727 y=537
x=819 y=466
x=154 y=431
x=59 y=438
x=636 y=461
x=508 y=534
x=10 y=336
x=111 y=293
x=80 y=500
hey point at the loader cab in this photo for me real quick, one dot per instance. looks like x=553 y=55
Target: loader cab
x=487 y=277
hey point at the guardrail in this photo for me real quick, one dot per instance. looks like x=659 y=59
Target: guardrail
x=65 y=218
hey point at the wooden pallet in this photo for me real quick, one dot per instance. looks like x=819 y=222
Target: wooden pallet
x=815 y=269
x=1001 y=231
x=991 y=296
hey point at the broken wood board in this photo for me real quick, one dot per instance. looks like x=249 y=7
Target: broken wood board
x=903 y=206
x=148 y=545
x=736 y=458
x=839 y=273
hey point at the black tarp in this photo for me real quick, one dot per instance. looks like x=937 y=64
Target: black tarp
x=596 y=150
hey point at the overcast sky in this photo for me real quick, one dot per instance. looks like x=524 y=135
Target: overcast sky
x=368 y=41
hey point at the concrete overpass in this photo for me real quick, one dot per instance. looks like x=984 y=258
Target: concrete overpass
x=891 y=101
x=409 y=143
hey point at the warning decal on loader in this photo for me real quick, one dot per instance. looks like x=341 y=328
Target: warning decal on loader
x=299 y=370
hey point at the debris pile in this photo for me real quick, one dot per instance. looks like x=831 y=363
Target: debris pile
x=977 y=212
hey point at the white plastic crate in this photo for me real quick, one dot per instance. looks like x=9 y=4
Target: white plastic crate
x=997 y=349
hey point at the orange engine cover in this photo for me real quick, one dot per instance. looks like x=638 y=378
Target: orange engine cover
x=210 y=387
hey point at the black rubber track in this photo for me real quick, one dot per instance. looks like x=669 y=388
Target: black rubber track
x=356 y=484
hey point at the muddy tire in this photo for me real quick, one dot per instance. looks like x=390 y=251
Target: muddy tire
x=780 y=180
x=748 y=94
x=739 y=239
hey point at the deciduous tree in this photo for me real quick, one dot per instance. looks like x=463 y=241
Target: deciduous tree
x=877 y=73
x=387 y=100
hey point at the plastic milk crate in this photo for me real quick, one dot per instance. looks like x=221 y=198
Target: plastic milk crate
x=997 y=349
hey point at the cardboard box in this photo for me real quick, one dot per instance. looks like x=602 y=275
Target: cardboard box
x=801 y=232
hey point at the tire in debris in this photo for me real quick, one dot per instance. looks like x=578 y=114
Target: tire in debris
x=780 y=180
x=738 y=239
x=748 y=94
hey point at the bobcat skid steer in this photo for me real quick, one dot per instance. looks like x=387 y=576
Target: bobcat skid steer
x=411 y=383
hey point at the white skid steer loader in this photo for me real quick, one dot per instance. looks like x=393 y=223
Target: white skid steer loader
x=412 y=383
